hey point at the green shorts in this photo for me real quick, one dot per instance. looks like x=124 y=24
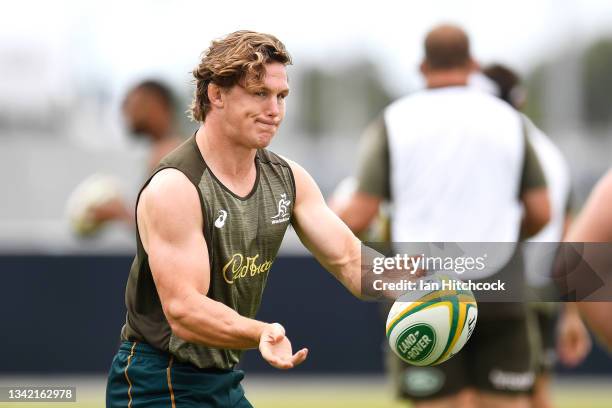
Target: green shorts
x=545 y=324
x=142 y=376
x=497 y=359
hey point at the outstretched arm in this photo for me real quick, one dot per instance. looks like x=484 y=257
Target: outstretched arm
x=170 y=224
x=324 y=234
x=334 y=245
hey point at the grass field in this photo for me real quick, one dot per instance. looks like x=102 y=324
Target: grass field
x=316 y=392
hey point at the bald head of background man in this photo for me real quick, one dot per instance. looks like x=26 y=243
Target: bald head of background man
x=447 y=60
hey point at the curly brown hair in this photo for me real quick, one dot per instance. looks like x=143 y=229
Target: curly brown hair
x=241 y=55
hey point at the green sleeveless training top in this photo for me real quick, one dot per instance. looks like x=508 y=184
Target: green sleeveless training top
x=243 y=235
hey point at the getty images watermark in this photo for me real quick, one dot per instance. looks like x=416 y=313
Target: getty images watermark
x=412 y=264
x=494 y=271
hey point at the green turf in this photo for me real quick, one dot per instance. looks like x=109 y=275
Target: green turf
x=319 y=392
x=565 y=399
x=310 y=399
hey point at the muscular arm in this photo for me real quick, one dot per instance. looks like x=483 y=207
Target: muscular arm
x=170 y=225
x=334 y=245
x=324 y=234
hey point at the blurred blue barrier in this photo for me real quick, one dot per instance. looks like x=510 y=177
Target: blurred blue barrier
x=63 y=314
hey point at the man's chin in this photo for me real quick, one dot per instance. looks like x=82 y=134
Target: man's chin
x=139 y=132
x=263 y=140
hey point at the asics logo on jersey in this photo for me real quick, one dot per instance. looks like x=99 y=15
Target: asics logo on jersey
x=283 y=210
x=220 y=221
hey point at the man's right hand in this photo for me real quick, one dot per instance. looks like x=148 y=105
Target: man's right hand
x=276 y=349
x=111 y=210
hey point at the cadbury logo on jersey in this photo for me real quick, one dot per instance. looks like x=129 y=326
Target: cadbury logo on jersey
x=282 y=214
x=240 y=267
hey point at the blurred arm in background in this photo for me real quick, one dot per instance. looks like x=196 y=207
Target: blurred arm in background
x=594 y=224
x=573 y=342
x=361 y=205
x=533 y=195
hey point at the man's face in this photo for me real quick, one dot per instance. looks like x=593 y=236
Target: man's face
x=252 y=114
x=137 y=111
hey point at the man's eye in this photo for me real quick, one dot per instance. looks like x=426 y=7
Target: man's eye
x=261 y=93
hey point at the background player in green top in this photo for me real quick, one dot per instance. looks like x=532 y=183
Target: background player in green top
x=210 y=221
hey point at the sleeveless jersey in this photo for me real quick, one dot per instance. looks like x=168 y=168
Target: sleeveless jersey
x=243 y=235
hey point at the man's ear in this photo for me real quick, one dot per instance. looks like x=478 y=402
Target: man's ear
x=215 y=95
x=474 y=66
x=424 y=67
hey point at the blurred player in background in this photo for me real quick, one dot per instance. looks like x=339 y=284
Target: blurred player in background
x=573 y=342
x=149 y=109
x=211 y=219
x=594 y=224
x=456 y=166
x=149 y=112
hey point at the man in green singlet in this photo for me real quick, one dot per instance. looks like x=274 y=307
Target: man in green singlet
x=210 y=220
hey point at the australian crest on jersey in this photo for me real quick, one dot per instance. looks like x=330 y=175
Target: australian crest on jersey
x=283 y=214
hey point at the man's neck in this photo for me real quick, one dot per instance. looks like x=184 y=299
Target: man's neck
x=158 y=138
x=441 y=79
x=222 y=155
x=160 y=129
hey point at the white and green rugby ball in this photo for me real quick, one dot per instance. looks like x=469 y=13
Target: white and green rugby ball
x=427 y=327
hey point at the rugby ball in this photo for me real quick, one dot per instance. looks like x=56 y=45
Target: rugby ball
x=93 y=191
x=431 y=324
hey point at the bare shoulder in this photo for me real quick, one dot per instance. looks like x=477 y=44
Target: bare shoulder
x=169 y=181
x=603 y=189
x=170 y=202
x=299 y=173
x=294 y=166
x=305 y=185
